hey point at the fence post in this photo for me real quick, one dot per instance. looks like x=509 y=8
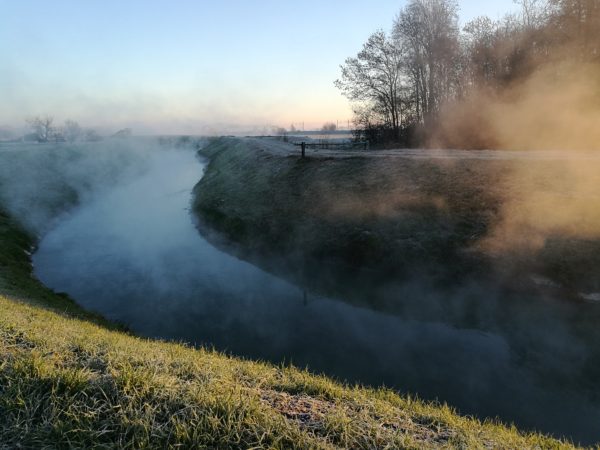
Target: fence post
x=303 y=146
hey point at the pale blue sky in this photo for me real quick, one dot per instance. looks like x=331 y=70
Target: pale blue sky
x=186 y=66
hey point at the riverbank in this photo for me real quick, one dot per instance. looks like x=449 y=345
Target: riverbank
x=68 y=379
x=439 y=217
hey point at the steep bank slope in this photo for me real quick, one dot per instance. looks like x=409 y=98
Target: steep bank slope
x=443 y=219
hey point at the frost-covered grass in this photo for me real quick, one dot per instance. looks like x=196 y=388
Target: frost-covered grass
x=402 y=214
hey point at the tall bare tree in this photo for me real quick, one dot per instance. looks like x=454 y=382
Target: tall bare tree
x=480 y=38
x=403 y=82
x=375 y=77
x=428 y=31
x=72 y=131
x=42 y=127
x=534 y=13
x=578 y=23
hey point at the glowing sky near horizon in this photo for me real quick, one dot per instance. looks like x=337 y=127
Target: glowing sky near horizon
x=187 y=66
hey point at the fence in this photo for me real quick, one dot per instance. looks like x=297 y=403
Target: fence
x=362 y=145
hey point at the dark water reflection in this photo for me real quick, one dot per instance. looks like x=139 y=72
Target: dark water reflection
x=134 y=255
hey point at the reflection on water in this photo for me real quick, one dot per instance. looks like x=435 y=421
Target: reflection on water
x=134 y=255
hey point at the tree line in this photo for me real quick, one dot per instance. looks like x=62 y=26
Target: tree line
x=401 y=81
x=43 y=129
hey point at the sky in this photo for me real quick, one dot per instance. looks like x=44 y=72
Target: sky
x=187 y=66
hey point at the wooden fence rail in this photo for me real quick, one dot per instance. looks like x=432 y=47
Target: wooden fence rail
x=363 y=145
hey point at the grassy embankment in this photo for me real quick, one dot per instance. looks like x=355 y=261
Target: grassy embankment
x=383 y=218
x=67 y=379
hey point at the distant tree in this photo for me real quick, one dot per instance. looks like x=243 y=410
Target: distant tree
x=42 y=127
x=281 y=132
x=72 y=131
x=329 y=127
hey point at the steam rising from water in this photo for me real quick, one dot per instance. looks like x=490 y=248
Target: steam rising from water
x=38 y=182
x=556 y=108
x=548 y=200
x=554 y=112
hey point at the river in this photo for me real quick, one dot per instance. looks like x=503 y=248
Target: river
x=134 y=254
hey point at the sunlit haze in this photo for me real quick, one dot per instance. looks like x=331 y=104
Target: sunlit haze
x=187 y=66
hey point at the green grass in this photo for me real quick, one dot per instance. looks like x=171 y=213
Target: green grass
x=68 y=379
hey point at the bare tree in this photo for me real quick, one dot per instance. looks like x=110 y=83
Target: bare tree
x=370 y=124
x=329 y=127
x=428 y=31
x=280 y=132
x=42 y=127
x=404 y=82
x=481 y=55
x=72 y=131
x=375 y=77
x=534 y=13
x=578 y=24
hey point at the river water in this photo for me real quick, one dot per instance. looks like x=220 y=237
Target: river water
x=133 y=254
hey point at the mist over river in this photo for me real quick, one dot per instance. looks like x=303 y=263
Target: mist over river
x=133 y=253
